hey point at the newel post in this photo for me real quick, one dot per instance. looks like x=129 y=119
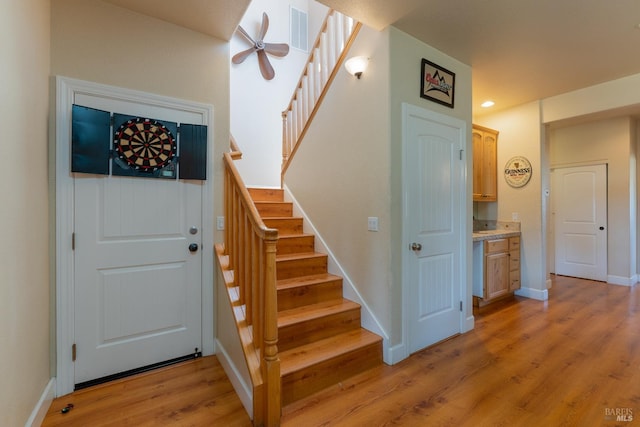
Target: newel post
x=271 y=361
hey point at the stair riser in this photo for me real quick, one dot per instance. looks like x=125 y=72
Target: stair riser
x=311 y=294
x=301 y=267
x=295 y=245
x=285 y=225
x=274 y=209
x=305 y=382
x=317 y=329
x=266 y=194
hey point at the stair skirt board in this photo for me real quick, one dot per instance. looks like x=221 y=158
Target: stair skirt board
x=368 y=319
x=242 y=389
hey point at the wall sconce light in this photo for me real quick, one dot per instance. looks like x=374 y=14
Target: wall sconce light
x=356 y=65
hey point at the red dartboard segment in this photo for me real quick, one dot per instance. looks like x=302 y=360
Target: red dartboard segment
x=144 y=144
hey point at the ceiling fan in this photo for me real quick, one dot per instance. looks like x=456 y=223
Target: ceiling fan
x=262 y=48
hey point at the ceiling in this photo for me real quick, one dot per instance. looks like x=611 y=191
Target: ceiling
x=216 y=18
x=519 y=51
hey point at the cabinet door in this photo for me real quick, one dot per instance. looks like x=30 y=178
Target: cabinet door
x=496 y=278
x=477 y=164
x=485 y=167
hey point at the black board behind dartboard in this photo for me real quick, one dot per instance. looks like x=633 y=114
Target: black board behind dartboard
x=136 y=146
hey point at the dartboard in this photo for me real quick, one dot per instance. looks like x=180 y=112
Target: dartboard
x=144 y=144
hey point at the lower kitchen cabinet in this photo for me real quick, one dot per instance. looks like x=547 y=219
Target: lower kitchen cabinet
x=496 y=269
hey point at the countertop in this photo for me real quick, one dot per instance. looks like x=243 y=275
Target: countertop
x=481 y=235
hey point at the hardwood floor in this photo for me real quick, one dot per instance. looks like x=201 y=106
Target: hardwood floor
x=194 y=393
x=570 y=361
x=564 y=362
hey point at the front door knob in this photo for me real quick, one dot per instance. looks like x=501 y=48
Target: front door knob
x=416 y=247
x=193 y=247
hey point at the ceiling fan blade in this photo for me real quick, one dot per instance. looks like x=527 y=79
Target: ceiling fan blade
x=246 y=35
x=239 y=57
x=264 y=27
x=265 y=66
x=277 y=49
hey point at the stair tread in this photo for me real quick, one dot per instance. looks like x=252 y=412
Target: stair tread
x=314 y=311
x=293 y=236
x=306 y=280
x=299 y=255
x=307 y=355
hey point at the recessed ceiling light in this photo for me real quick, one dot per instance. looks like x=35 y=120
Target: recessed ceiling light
x=487 y=104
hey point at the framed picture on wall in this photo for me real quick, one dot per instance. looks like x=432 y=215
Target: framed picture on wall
x=437 y=84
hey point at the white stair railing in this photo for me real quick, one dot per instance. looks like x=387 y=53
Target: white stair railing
x=327 y=55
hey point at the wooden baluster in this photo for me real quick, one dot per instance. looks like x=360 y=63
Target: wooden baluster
x=246 y=268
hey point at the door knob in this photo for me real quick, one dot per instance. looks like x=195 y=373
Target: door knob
x=416 y=247
x=193 y=247
x=601 y=228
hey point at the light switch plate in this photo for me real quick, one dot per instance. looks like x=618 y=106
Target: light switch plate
x=372 y=223
x=220 y=223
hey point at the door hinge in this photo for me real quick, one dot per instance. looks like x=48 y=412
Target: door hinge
x=73 y=352
x=461 y=154
x=73 y=241
x=460 y=305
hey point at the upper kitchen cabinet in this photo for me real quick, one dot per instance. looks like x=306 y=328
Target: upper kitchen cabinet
x=485 y=164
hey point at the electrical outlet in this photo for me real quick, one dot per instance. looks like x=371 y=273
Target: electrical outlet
x=220 y=223
x=372 y=223
x=515 y=216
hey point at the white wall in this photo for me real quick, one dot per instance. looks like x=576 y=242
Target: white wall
x=93 y=41
x=256 y=103
x=349 y=166
x=406 y=54
x=521 y=135
x=340 y=173
x=24 y=253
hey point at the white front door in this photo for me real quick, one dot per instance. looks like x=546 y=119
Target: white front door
x=580 y=208
x=434 y=209
x=137 y=284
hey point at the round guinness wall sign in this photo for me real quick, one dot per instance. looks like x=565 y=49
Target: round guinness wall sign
x=517 y=171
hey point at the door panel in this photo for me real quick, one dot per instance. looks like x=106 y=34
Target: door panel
x=137 y=285
x=434 y=187
x=580 y=203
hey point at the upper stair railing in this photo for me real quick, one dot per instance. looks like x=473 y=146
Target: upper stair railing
x=248 y=263
x=336 y=36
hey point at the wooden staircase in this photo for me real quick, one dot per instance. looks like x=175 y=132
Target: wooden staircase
x=320 y=340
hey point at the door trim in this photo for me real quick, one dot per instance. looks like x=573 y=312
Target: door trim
x=66 y=90
x=466 y=323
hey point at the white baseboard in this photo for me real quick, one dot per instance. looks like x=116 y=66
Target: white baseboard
x=537 y=294
x=469 y=324
x=622 y=281
x=40 y=411
x=242 y=389
x=395 y=354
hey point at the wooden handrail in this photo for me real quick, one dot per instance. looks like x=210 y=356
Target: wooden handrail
x=329 y=51
x=250 y=260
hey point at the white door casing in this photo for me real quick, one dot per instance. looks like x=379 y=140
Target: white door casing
x=434 y=213
x=68 y=92
x=580 y=211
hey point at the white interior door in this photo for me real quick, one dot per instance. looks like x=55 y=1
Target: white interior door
x=580 y=203
x=137 y=284
x=434 y=192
